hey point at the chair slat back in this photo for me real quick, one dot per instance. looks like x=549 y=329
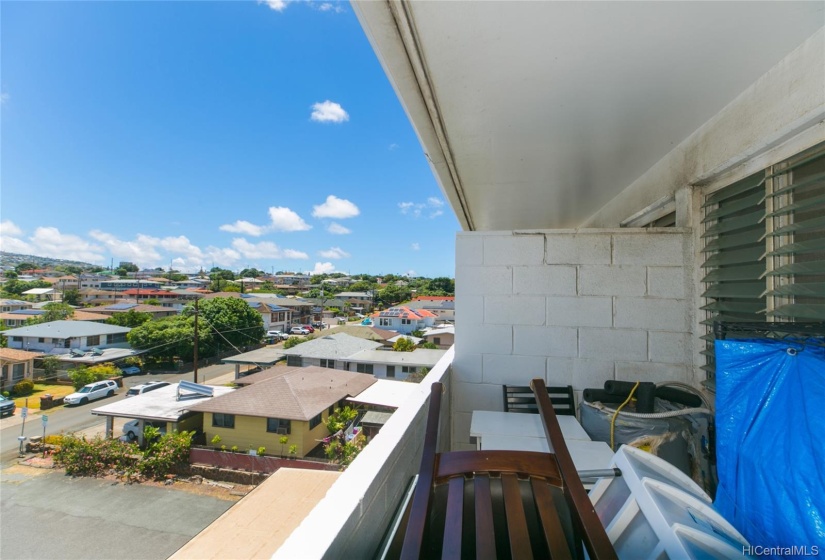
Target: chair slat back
x=519 y=398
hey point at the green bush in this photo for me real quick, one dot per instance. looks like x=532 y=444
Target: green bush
x=23 y=388
x=84 y=375
x=295 y=341
x=261 y=450
x=339 y=419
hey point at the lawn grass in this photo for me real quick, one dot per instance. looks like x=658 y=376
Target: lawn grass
x=40 y=389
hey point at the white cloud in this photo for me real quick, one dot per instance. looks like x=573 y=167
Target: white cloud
x=323 y=268
x=334 y=253
x=281 y=219
x=181 y=245
x=276 y=5
x=49 y=242
x=284 y=219
x=410 y=273
x=415 y=247
x=393 y=147
x=334 y=207
x=247 y=228
x=8 y=227
x=141 y=250
x=432 y=208
x=329 y=111
x=222 y=256
x=265 y=250
x=330 y=7
x=4 y=97
x=14 y=245
x=338 y=229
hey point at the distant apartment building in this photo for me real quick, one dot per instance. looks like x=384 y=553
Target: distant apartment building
x=123 y=285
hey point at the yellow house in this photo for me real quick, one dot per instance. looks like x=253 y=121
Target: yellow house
x=280 y=402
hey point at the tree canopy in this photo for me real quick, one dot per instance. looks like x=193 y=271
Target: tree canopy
x=173 y=337
x=129 y=319
x=237 y=323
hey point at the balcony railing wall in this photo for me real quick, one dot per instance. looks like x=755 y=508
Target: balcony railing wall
x=352 y=519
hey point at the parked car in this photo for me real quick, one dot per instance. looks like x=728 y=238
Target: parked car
x=92 y=391
x=145 y=388
x=310 y=328
x=280 y=335
x=298 y=330
x=131 y=430
x=7 y=406
x=130 y=370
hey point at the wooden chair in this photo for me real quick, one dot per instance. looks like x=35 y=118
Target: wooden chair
x=521 y=399
x=499 y=504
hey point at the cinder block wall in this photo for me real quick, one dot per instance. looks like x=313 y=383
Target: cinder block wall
x=576 y=307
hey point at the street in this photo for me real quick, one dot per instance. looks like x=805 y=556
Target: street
x=76 y=418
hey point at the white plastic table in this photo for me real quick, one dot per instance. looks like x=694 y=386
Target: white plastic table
x=586 y=455
x=511 y=424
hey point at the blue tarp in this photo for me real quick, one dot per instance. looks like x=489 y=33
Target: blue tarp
x=770 y=444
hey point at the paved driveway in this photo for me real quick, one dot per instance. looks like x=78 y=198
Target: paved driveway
x=45 y=515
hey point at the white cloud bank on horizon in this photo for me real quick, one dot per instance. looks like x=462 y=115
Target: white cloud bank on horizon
x=323 y=268
x=328 y=112
x=337 y=208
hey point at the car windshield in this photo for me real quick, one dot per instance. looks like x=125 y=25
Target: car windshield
x=132 y=392
x=85 y=390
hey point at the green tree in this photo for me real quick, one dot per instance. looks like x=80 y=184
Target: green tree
x=441 y=286
x=250 y=273
x=54 y=312
x=129 y=319
x=25 y=267
x=392 y=295
x=10 y=275
x=71 y=296
x=293 y=341
x=403 y=344
x=231 y=320
x=361 y=286
x=172 y=337
x=50 y=365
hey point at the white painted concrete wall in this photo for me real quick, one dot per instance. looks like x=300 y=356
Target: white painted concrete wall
x=349 y=522
x=576 y=307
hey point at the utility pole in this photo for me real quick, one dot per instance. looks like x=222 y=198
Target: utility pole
x=195 y=378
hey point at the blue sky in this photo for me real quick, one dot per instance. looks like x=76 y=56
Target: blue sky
x=231 y=134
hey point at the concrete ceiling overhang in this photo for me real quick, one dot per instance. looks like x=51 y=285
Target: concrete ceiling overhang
x=536 y=114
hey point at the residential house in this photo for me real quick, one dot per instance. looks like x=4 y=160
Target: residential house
x=7 y=305
x=193 y=283
x=301 y=308
x=563 y=268
x=443 y=307
x=169 y=406
x=175 y=299
x=280 y=402
x=275 y=317
x=402 y=319
x=156 y=311
x=130 y=284
x=63 y=337
x=15 y=365
x=95 y=296
x=43 y=294
x=358 y=302
x=20 y=317
x=386 y=364
x=442 y=336
x=63 y=283
x=329 y=351
x=249 y=284
x=370 y=333
x=299 y=280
